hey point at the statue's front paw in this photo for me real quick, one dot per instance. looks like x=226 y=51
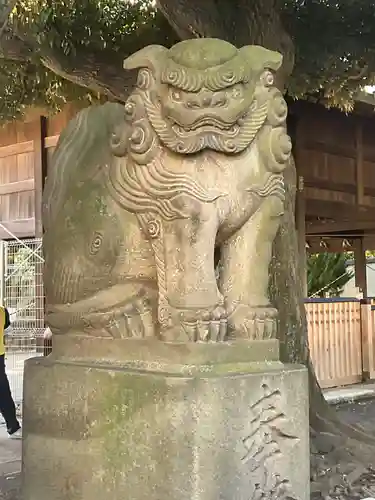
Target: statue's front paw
x=135 y=319
x=198 y=326
x=253 y=323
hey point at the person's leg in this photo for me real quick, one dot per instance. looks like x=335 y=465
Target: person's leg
x=7 y=406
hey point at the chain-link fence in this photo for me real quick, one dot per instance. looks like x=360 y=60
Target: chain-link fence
x=22 y=293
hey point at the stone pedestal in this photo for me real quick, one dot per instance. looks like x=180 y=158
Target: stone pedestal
x=164 y=421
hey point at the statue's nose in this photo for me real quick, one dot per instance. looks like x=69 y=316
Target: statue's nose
x=206 y=100
x=203 y=100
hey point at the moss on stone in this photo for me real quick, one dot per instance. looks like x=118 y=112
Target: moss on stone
x=125 y=408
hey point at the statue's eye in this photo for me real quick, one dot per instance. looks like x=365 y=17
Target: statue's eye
x=96 y=243
x=268 y=79
x=237 y=92
x=176 y=95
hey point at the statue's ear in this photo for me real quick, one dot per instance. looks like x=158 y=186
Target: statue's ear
x=258 y=58
x=148 y=57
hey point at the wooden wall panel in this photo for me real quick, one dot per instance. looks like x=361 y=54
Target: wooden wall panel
x=17 y=186
x=369 y=174
x=17 y=206
x=25 y=166
x=329 y=195
x=332 y=159
x=8 y=169
x=318 y=165
x=24 y=153
x=329 y=127
x=340 y=169
x=368 y=133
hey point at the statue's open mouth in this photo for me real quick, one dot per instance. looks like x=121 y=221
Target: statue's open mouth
x=210 y=122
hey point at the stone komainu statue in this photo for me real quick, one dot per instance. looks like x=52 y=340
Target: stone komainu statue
x=140 y=197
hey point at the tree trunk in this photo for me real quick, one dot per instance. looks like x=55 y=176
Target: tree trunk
x=244 y=22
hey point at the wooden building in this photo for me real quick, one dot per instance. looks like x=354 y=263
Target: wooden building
x=25 y=148
x=335 y=160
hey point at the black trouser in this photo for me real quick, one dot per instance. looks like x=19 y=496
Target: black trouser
x=7 y=406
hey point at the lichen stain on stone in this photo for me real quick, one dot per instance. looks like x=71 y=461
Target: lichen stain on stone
x=126 y=406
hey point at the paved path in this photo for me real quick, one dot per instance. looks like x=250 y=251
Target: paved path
x=350 y=393
x=10 y=450
x=359 y=413
x=10 y=466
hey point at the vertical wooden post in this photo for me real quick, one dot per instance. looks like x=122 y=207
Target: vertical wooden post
x=40 y=171
x=301 y=231
x=360 y=185
x=300 y=208
x=367 y=335
x=3 y=272
x=360 y=266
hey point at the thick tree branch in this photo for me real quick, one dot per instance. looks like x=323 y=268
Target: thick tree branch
x=94 y=72
x=95 y=68
x=101 y=73
x=241 y=22
x=4 y=18
x=194 y=19
x=14 y=49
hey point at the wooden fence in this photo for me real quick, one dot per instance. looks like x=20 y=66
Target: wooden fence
x=341 y=338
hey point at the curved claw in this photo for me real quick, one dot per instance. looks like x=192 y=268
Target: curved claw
x=135 y=321
x=253 y=323
x=208 y=326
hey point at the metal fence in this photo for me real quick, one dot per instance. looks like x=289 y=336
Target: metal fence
x=21 y=263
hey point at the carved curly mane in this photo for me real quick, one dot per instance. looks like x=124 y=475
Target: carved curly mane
x=152 y=188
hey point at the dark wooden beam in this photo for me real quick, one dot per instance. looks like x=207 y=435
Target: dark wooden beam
x=359 y=166
x=300 y=206
x=360 y=266
x=338 y=149
x=40 y=171
x=341 y=212
x=313 y=182
x=317 y=244
x=40 y=174
x=339 y=187
x=321 y=228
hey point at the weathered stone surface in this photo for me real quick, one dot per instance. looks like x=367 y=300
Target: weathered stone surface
x=203 y=430
x=164 y=380
x=139 y=198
